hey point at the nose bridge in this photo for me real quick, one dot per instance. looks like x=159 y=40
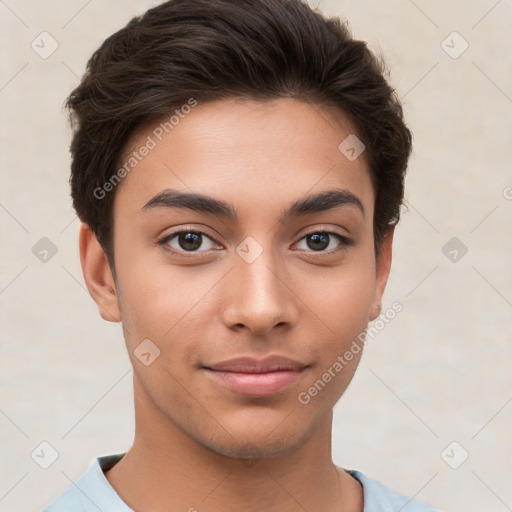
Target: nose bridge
x=259 y=298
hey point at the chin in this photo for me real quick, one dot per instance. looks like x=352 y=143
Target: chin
x=251 y=450
x=251 y=443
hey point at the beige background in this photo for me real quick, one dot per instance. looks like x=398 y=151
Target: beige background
x=440 y=372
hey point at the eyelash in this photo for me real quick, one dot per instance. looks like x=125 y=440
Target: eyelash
x=345 y=242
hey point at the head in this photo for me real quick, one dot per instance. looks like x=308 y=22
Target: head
x=238 y=167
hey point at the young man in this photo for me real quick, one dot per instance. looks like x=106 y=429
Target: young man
x=238 y=169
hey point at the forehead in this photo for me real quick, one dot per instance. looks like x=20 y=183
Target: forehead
x=251 y=153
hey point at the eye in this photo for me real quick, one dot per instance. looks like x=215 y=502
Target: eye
x=322 y=241
x=188 y=241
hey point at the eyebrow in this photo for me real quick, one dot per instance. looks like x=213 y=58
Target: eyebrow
x=320 y=202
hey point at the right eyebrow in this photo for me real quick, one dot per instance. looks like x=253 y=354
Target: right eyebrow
x=172 y=198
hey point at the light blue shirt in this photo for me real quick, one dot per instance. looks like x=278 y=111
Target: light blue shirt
x=92 y=492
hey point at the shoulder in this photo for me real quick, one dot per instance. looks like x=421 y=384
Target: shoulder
x=91 y=492
x=380 y=498
x=69 y=499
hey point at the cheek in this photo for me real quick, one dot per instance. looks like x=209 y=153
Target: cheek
x=342 y=303
x=342 y=300
x=343 y=309
x=159 y=302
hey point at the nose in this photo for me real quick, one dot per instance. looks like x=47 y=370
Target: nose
x=258 y=296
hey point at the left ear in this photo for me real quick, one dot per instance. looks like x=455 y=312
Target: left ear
x=383 y=267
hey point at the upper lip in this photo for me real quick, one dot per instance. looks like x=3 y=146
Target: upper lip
x=254 y=365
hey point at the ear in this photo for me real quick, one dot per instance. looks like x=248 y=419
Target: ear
x=98 y=275
x=383 y=267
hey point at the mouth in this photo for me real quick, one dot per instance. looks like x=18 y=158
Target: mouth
x=256 y=377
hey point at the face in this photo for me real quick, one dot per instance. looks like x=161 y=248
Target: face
x=238 y=305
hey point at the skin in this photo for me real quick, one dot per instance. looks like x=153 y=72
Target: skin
x=197 y=444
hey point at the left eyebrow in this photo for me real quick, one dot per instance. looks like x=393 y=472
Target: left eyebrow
x=322 y=201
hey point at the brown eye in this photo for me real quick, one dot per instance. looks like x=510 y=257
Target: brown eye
x=318 y=241
x=322 y=241
x=188 y=241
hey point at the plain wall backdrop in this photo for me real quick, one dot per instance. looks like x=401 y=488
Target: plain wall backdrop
x=429 y=412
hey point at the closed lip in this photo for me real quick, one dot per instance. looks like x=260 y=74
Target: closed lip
x=255 y=365
x=255 y=377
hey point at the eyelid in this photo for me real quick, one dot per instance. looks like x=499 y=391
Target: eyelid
x=343 y=233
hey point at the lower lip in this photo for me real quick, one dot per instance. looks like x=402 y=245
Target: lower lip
x=257 y=384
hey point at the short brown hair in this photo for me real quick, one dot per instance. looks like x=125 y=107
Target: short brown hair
x=215 y=49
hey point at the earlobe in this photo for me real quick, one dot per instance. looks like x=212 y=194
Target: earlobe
x=375 y=311
x=98 y=275
x=383 y=267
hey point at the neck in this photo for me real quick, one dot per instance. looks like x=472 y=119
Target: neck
x=167 y=469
